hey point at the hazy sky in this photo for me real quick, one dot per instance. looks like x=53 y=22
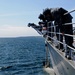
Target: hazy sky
x=16 y=14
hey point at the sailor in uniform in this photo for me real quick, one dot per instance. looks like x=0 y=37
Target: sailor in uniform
x=57 y=15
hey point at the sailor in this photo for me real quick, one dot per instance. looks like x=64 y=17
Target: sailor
x=35 y=26
x=57 y=15
x=45 y=25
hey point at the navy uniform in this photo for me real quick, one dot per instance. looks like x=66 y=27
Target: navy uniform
x=45 y=24
x=57 y=15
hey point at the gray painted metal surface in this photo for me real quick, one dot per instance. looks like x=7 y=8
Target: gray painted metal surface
x=61 y=65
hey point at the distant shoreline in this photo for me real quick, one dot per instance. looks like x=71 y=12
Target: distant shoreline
x=20 y=37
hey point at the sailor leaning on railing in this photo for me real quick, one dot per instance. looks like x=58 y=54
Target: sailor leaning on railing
x=57 y=15
x=62 y=26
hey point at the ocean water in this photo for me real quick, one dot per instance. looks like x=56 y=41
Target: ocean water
x=22 y=56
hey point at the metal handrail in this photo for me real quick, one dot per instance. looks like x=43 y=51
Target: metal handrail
x=53 y=32
x=62 y=43
x=61 y=34
x=61 y=25
x=69 y=12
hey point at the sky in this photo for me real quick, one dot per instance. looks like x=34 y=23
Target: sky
x=16 y=14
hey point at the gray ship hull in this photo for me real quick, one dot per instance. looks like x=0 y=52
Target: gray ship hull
x=61 y=65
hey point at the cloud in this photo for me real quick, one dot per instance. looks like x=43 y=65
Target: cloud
x=17 y=31
x=19 y=13
x=10 y=14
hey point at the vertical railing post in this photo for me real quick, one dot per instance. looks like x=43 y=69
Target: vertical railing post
x=59 y=38
x=47 y=64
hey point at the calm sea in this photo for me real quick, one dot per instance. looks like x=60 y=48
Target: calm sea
x=22 y=56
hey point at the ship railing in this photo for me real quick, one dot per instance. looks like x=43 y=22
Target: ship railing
x=53 y=33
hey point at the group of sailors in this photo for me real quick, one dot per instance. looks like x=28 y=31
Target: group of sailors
x=57 y=22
